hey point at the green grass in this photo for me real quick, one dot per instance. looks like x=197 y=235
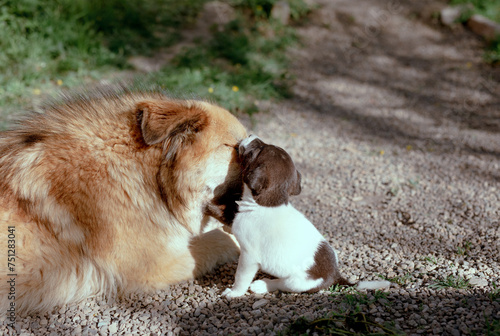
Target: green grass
x=262 y=8
x=431 y=260
x=41 y=42
x=349 y=319
x=337 y=289
x=46 y=45
x=139 y=26
x=353 y=300
x=236 y=68
x=451 y=282
x=492 y=54
x=341 y=324
x=495 y=293
x=402 y=280
x=487 y=8
x=492 y=327
x=464 y=249
x=491 y=10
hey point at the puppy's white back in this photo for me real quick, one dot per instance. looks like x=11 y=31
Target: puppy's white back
x=281 y=239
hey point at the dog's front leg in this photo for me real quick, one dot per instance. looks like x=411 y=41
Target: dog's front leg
x=247 y=268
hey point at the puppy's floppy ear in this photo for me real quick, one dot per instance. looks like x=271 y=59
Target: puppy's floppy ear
x=171 y=122
x=265 y=190
x=257 y=180
x=295 y=187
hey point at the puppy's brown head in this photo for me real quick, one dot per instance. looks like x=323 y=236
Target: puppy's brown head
x=269 y=172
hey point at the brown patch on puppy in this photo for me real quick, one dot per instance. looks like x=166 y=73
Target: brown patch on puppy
x=270 y=173
x=223 y=206
x=326 y=267
x=222 y=210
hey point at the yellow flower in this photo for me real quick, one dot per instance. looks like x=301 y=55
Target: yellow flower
x=382 y=152
x=468 y=65
x=235 y=88
x=37 y=92
x=210 y=89
x=409 y=148
x=59 y=82
x=259 y=8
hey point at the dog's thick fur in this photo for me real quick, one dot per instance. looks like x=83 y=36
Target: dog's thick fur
x=106 y=194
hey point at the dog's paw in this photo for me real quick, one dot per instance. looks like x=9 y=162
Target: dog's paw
x=229 y=293
x=258 y=287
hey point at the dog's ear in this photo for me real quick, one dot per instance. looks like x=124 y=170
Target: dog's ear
x=171 y=122
x=295 y=187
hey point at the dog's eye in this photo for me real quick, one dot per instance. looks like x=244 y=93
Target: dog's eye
x=235 y=147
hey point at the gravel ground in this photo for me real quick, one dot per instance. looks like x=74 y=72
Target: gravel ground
x=395 y=127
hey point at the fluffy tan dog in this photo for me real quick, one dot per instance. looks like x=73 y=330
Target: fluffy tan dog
x=105 y=194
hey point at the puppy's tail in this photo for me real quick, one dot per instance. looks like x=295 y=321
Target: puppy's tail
x=361 y=284
x=373 y=284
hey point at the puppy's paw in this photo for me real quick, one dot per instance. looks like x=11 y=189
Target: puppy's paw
x=259 y=287
x=229 y=293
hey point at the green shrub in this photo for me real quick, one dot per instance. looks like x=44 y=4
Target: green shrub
x=137 y=26
x=48 y=43
x=42 y=40
x=491 y=10
x=488 y=8
x=237 y=67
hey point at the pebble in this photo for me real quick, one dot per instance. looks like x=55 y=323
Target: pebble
x=478 y=282
x=259 y=304
x=113 y=328
x=102 y=323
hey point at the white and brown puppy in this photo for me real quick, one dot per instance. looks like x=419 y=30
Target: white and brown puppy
x=273 y=235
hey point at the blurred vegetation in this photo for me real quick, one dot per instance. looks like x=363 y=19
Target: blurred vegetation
x=236 y=67
x=488 y=8
x=47 y=44
x=491 y=10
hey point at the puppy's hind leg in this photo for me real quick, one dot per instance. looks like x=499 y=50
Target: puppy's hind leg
x=266 y=285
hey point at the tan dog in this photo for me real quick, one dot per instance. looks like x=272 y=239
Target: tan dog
x=105 y=193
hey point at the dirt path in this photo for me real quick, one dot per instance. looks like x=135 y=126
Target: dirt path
x=395 y=126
